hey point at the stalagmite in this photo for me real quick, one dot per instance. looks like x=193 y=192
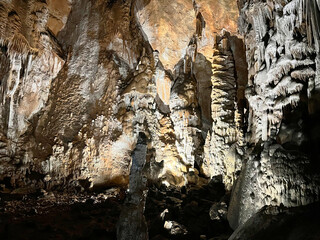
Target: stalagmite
x=156 y=119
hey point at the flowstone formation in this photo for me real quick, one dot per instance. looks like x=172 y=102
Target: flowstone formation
x=185 y=116
x=281 y=161
x=80 y=82
x=223 y=146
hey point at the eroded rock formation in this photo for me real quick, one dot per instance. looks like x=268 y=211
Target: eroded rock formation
x=282 y=53
x=132 y=223
x=225 y=92
x=79 y=84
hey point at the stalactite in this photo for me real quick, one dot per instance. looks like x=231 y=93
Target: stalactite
x=283 y=64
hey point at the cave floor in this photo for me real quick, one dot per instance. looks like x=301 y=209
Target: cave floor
x=60 y=216
x=94 y=215
x=54 y=215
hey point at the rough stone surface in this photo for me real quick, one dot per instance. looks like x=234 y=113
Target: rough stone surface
x=225 y=91
x=186 y=214
x=82 y=79
x=223 y=144
x=132 y=223
x=281 y=160
x=170 y=26
x=281 y=223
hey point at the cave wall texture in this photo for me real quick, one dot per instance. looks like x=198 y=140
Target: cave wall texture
x=281 y=160
x=222 y=89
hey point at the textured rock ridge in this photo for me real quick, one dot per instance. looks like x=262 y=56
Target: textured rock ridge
x=180 y=103
x=31 y=59
x=26 y=80
x=282 y=60
x=80 y=82
x=132 y=224
x=51 y=94
x=223 y=144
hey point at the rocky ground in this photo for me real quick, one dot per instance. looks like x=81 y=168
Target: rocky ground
x=189 y=213
x=60 y=216
x=192 y=213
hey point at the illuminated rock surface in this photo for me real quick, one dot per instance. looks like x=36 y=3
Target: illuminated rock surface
x=226 y=93
x=281 y=164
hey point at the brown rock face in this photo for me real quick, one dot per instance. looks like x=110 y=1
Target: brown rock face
x=170 y=26
x=166 y=28
x=81 y=78
x=58 y=14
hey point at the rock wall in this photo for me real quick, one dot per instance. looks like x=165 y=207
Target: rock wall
x=59 y=93
x=80 y=79
x=281 y=160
